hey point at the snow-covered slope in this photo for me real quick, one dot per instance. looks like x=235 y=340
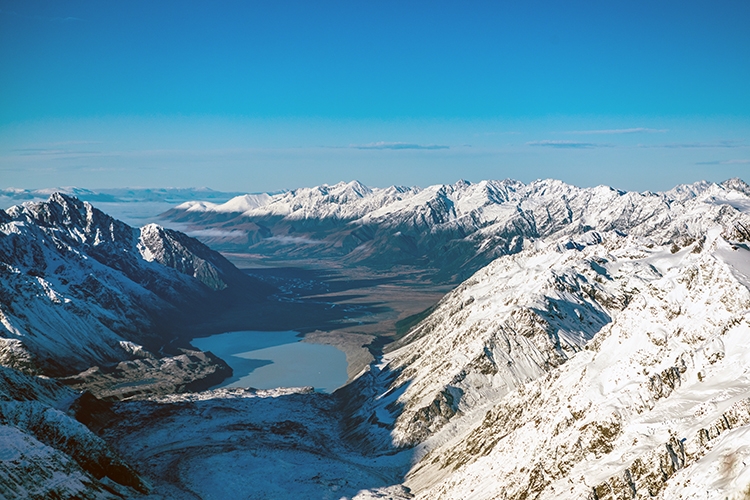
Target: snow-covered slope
x=46 y=452
x=635 y=414
x=238 y=204
x=76 y=286
x=591 y=364
x=454 y=229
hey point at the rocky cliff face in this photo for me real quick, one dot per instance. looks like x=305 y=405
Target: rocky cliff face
x=47 y=452
x=77 y=287
x=591 y=364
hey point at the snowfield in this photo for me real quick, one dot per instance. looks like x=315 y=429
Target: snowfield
x=235 y=443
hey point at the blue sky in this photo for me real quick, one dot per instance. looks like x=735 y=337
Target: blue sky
x=270 y=95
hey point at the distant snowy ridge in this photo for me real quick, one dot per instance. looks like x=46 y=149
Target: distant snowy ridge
x=172 y=195
x=237 y=204
x=353 y=200
x=455 y=229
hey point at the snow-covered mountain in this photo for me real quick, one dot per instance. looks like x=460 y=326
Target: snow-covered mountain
x=78 y=288
x=452 y=229
x=134 y=206
x=594 y=364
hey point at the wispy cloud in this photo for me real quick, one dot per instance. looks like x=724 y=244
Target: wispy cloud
x=73 y=143
x=218 y=233
x=695 y=145
x=636 y=130
x=724 y=162
x=52 y=152
x=295 y=240
x=568 y=144
x=397 y=145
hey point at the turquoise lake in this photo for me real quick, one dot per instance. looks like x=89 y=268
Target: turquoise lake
x=266 y=360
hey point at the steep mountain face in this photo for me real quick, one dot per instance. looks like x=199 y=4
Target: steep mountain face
x=634 y=415
x=452 y=229
x=78 y=288
x=47 y=452
x=609 y=363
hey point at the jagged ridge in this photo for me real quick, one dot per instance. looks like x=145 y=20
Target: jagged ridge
x=453 y=229
x=76 y=285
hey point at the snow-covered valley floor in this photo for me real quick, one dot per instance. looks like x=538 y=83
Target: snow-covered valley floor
x=234 y=443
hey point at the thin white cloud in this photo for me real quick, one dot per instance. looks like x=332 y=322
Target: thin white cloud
x=295 y=240
x=53 y=152
x=636 y=130
x=697 y=145
x=724 y=162
x=218 y=233
x=568 y=144
x=397 y=145
x=73 y=143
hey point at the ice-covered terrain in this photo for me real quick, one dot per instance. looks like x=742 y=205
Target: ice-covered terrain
x=47 y=447
x=604 y=353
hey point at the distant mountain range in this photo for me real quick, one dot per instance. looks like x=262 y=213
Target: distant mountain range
x=10 y=196
x=453 y=230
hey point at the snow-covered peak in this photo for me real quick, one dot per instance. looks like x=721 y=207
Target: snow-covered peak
x=737 y=184
x=685 y=192
x=76 y=283
x=455 y=228
x=345 y=200
x=197 y=206
x=238 y=204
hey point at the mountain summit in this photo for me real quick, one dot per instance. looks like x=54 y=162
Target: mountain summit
x=79 y=287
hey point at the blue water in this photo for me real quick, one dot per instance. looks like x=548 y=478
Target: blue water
x=266 y=360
